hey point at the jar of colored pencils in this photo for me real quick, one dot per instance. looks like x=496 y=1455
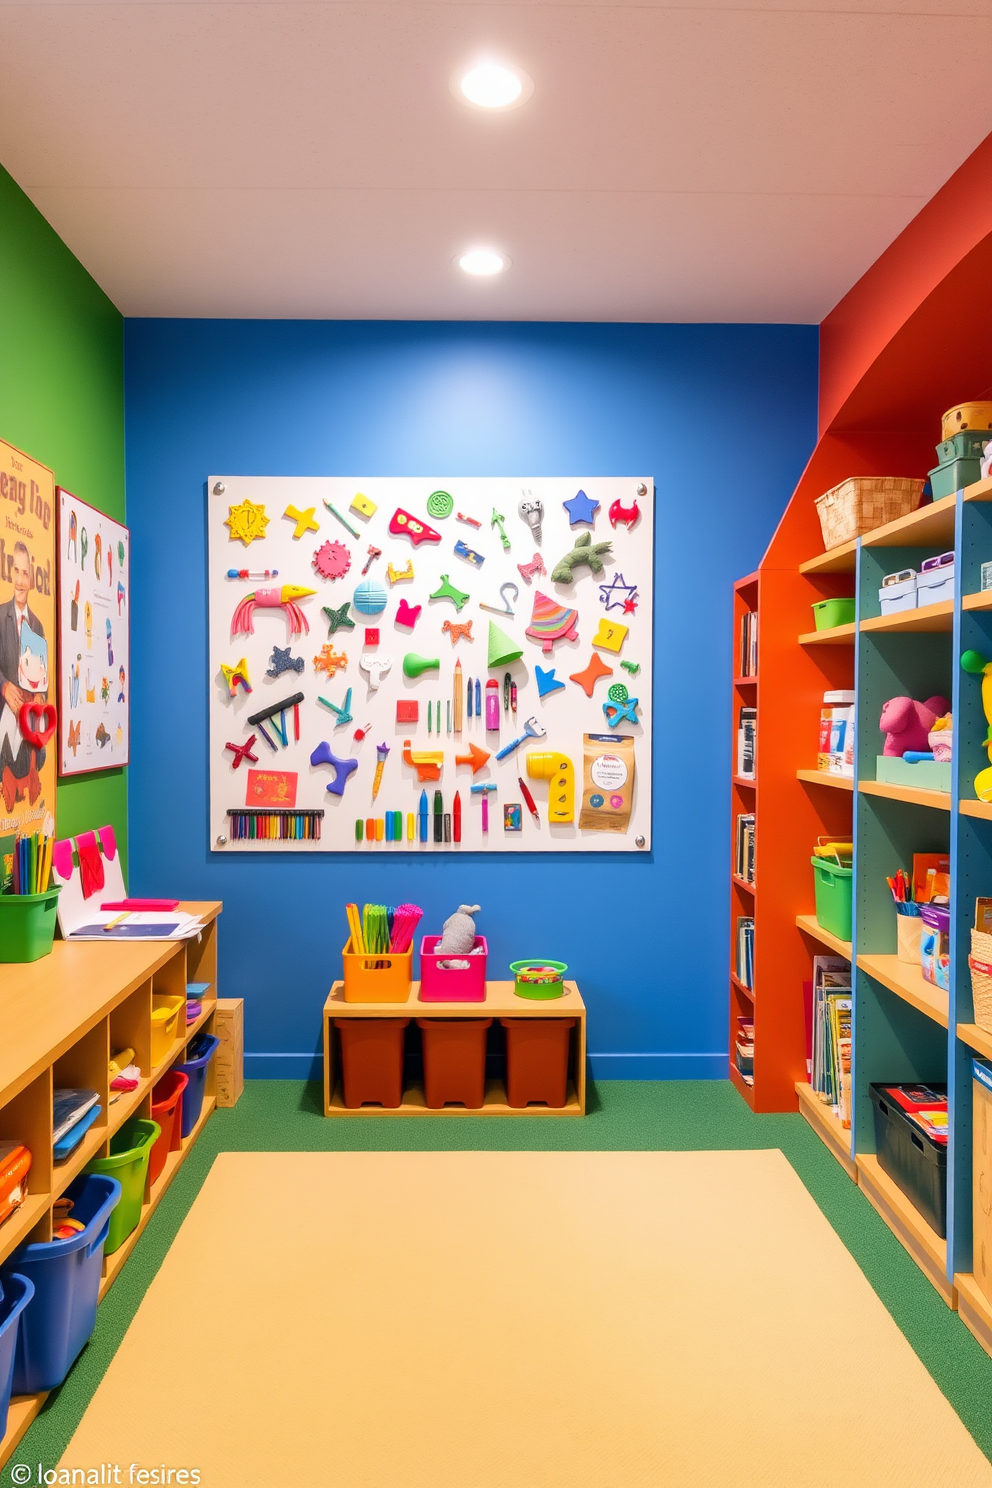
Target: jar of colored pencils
x=27 y=905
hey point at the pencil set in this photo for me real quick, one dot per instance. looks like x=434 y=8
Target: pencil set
x=32 y=863
x=274 y=825
x=380 y=928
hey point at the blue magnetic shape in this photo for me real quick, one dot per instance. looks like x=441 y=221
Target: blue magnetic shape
x=615 y=594
x=343 y=713
x=616 y=712
x=282 y=661
x=324 y=755
x=581 y=508
x=546 y=681
x=469 y=554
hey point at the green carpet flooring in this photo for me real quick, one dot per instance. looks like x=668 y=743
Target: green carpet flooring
x=284 y=1115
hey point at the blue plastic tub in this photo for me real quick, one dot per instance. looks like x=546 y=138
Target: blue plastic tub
x=61 y=1315
x=201 y=1051
x=15 y=1294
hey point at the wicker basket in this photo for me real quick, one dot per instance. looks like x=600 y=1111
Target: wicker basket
x=864 y=502
x=980 y=964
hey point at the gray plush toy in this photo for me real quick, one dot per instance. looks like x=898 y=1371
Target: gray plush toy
x=458 y=937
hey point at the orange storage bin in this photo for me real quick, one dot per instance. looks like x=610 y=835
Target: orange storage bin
x=165 y=1024
x=537 y=1060
x=384 y=977
x=372 y=1060
x=167 y=1111
x=454 y=1060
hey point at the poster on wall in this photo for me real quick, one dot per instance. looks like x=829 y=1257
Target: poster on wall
x=430 y=665
x=94 y=630
x=27 y=644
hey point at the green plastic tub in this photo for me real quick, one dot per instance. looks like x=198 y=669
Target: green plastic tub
x=833 y=897
x=130 y=1149
x=27 y=925
x=830 y=612
x=967 y=445
x=954 y=475
x=539 y=980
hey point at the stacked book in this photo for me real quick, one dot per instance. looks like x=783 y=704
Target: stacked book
x=830 y=1076
x=747 y=728
x=749 y=644
x=744 y=1050
x=744 y=855
x=745 y=951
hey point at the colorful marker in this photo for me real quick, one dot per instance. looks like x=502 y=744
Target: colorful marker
x=438 y=816
x=531 y=807
x=492 y=706
x=457 y=815
x=447 y=826
x=478 y=698
x=470 y=697
x=411 y=826
x=423 y=816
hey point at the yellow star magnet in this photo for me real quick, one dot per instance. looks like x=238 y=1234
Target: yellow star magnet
x=246 y=522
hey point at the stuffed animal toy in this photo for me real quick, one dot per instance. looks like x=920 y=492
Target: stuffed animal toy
x=906 y=723
x=458 y=938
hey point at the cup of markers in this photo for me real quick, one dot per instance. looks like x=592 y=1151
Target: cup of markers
x=27 y=905
x=908 y=923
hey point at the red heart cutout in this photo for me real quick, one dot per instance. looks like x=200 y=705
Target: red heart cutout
x=38 y=738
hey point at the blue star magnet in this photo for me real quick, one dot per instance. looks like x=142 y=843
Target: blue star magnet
x=617 y=594
x=546 y=681
x=581 y=508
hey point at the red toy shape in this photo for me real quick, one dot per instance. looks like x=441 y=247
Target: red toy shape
x=407 y=615
x=45 y=712
x=906 y=723
x=371 y=635
x=407 y=711
x=626 y=514
x=404 y=524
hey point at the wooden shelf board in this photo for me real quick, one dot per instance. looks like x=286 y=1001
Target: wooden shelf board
x=837 y=635
x=827 y=1127
x=939 y=800
x=976 y=808
x=838 y=560
x=980 y=491
x=747 y=582
x=209 y=1006
x=20 y=1225
x=23 y=1409
x=810 y=926
x=905 y=1221
x=748 y=991
x=931 y=618
x=742 y=883
x=928 y=526
x=747 y=1091
x=976 y=1038
x=823 y=777
x=907 y=981
x=745 y=782
x=746 y=681
x=494 y=1104
x=974 y=1309
x=980 y=601
x=500 y=1000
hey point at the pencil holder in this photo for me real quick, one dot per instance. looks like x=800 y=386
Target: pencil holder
x=908 y=929
x=27 y=925
x=385 y=976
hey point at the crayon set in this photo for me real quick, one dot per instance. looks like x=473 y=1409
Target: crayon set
x=382 y=928
x=276 y=825
x=32 y=863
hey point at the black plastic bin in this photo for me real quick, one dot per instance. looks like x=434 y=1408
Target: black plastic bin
x=913 y=1159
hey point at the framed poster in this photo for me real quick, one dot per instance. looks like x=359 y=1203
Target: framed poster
x=27 y=643
x=94 y=632
x=454 y=664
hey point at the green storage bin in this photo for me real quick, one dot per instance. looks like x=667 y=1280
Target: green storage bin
x=833 y=897
x=954 y=475
x=830 y=612
x=27 y=925
x=892 y=769
x=130 y=1149
x=968 y=445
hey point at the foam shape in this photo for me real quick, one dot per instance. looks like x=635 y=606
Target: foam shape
x=447 y=590
x=407 y=710
x=415 y=666
x=475 y=757
x=551 y=622
x=369 y=597
x=404 y=524
x=339 y=619
x=246 y=523
x=375 y=666
x=584 y=551
x=332 y=560
x=407 y=615
x=304 y=520
x=236 y=676
x=428 y=763
x=626 y=514
x=501 y=649
x=282 y=660
x=581 y=508
x=363 y=505
x=329 y=661
x=610 y=636
x=343 y=768
x=547 y=682
x=396 y=575
x=588 y=678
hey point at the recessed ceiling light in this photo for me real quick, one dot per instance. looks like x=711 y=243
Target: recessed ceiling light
x=492 y=85
x=482 y=262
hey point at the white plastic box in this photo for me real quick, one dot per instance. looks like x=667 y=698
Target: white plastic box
x=898 y=592
x=935 y=580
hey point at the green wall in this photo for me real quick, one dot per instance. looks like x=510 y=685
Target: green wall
x=62 y=402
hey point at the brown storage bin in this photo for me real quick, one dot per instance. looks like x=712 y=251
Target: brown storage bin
x=454 y=1060
x=863 y=502
x=372 y=1060
x=537 y=1060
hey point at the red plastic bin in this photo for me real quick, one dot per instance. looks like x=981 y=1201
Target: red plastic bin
x=537 y=1060
x=438 y=985
x=372 y=1060
x=454 y=1061
x=167 y=1110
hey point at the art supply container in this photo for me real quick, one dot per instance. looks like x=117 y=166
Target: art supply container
x=935 y=581
x=454 y=1061
x=165 y=1024
x=908 y=928
x=467 y=984
x=541 y=981
x=981 y=1206
x=898 y=592
x=980 y=966
x=194 y=1067
x=833 y=897
x=386 y=976
x=911 y=1155
x=15 y=1294
x=27 y=925
x=372 y=1060
x=167 y=1110
x=130 y=1149
x=935 y=945
x=537 y=1052
x=828 y=613
x=835 y=750
x=61 y=1315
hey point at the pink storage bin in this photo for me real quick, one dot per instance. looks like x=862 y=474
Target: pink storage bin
x=452 y=986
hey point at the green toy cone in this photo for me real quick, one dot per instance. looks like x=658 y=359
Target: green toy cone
x=501 y=649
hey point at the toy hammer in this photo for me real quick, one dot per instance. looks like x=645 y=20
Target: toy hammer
x=483 y=791
x=532 y=730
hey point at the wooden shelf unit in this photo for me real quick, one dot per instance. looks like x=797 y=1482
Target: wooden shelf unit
x=61 y=1019
x=908 y=982
x=823 y=777
x=836 y=1137
x=907 y=1223
x=837 y=635
x=937 y=800
x=928 y=619
x=809 y=925
x=501 y=1002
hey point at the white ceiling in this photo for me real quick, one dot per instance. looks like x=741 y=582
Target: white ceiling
x=693 y=162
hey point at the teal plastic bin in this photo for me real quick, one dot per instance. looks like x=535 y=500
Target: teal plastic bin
x=130 y=1149
x=833 y=897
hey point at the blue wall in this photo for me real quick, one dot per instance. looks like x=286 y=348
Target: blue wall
x=723 y=416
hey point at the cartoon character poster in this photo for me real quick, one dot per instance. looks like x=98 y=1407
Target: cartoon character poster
x=94 y=662
x=27 y=627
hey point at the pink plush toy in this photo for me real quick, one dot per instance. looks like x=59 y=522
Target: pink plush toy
x=906 y=723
